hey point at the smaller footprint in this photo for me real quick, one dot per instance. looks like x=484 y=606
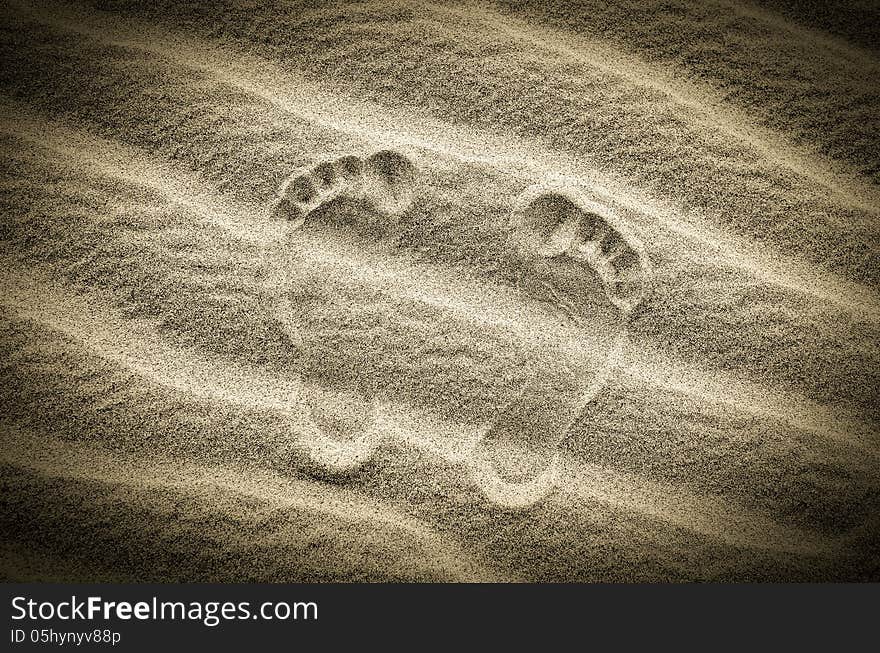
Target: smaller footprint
x=385 y=180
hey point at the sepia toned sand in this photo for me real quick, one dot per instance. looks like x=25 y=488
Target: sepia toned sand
x=205 y=380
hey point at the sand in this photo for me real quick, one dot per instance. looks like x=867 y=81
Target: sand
x=399 y=291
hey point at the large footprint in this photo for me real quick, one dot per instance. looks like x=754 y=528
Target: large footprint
x=342 y=432
x=596 y=270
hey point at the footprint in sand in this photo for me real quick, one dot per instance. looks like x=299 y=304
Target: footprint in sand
x=596 y=270
x=343 y=430
x=578 y=254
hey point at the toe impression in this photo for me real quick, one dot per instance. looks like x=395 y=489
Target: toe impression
x=386 y=180
x=552 y=222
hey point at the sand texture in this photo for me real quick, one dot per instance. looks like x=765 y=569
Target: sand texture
x=437 y=291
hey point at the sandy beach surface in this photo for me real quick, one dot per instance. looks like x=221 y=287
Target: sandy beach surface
x=440 y=291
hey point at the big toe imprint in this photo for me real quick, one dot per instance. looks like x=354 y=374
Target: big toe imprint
x=586 y=257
